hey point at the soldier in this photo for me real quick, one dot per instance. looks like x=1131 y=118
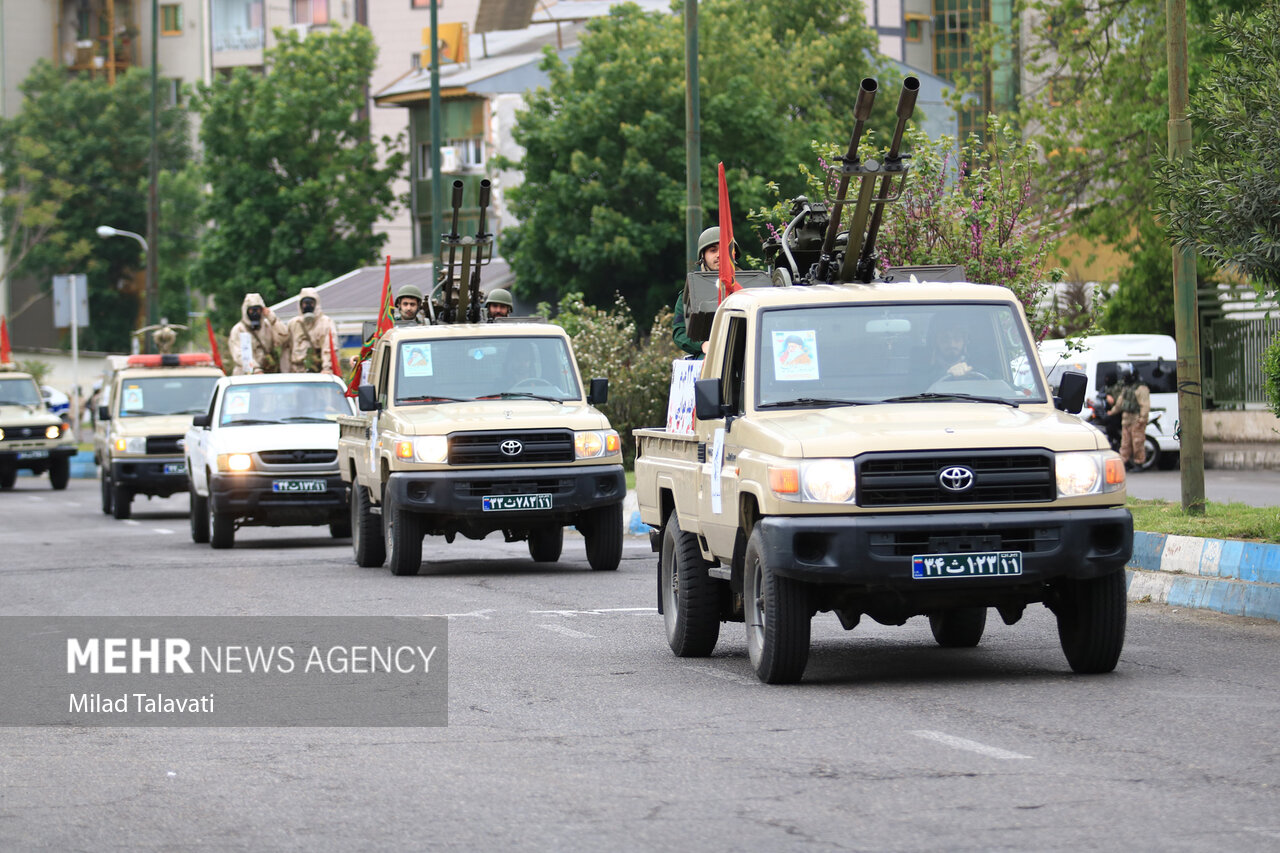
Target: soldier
x=709 y=261
x=311 y=336
x=257 y=339
x=498 y=304
x=409 y=307
x=1134 y=406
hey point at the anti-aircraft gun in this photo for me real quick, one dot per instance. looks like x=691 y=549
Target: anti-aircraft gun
x=460 y=295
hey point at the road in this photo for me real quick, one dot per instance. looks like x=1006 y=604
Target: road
x=1255 y=488
x=573 y=728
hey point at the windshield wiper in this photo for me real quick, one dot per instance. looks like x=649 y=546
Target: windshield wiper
x=932 y=396
x=507 y=395
x=250 y=422
x=433 y=398
x=814 y=402
x=306 y=419
x=18 y=403
x=146 y=413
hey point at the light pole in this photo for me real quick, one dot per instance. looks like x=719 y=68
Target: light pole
x=108 y=231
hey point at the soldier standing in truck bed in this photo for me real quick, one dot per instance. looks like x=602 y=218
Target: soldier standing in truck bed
x=708 y=260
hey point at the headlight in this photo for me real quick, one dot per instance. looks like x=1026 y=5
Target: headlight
x=814 y=480
x=1 y=435
x=235 y=462
x=431 y=448
x=589 y=445
x=52 y=431
x=136 y=444
x=1089 y=472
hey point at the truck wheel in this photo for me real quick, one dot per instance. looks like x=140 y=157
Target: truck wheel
x=59 y=472
x=960 y=628
x=690 y=596
x=222 y=527
x=1091 y=617
x=121 y=502
x=402 y=531
x=602 y=528
x=340 y=529
x=1153 y=454
x=105 y=486
x=199 y=516
x=546 y=543
x=366 y=530
x=8 y=476
x=777 y=617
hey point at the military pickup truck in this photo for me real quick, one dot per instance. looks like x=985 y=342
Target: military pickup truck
x=886 y=450
x=31 y=437
x=472 y=428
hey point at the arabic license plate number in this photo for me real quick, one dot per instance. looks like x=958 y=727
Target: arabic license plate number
x=175 y=467
x=979 y=564
x=295 y=486
x=495 y=503
x=33 y=454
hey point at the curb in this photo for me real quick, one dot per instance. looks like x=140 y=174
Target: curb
x=1229 y=576
x=82 y=467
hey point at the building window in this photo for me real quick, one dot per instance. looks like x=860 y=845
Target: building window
x=914 y=28
x=170 y=19
x=311 y=12
x=470 y=152
x=170 y=91
x=415 y=60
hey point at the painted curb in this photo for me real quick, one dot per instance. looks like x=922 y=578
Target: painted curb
x=82 y=467
x=1226 y=575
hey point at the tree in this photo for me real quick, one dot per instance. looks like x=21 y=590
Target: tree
x=74 y=158
x=296 y=182
x=602 y=203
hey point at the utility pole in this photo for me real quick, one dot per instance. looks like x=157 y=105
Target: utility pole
x=153 y=178
x=1186 y=317
x=692 y=137
x=437 y=188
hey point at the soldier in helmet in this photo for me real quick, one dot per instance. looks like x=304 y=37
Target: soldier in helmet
x=1133 y=404
x=498 y=304
x=409 y=307
x=708 y=260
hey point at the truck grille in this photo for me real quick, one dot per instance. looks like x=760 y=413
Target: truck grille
x=169 y=445
x=911 y=479
x=486 y=448
x=22 y=433
x=996 y=537
x=531 y=486
x=297 y=457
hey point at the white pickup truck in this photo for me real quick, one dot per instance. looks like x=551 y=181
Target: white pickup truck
x=266 y=453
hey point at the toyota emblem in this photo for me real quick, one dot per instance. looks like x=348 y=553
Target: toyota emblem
x=511 y=447
x=956 y=478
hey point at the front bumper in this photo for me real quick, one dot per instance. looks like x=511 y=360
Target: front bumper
x=255 y=499
x=873 y=552
x=461 y=493
x=147 y=475
x=33 y=457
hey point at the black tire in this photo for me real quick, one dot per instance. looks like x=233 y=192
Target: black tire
x=546 y=543
x=59 y=472
x=222 y=527
x=402 y=532
x=960 y=628
x=8 y=476
x=690 y=596
x=366 y=530
x=121 y=502
x=777 y=618
x=340 y=529
x=1091 y=619
x=105 y=487
x=199 y=515
x=1153 y=454
x=602 y=530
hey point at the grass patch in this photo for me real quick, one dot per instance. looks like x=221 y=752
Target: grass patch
x=631 y=480
x=1220 y=521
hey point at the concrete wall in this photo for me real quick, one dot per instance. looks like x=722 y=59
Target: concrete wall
x=1253 y=426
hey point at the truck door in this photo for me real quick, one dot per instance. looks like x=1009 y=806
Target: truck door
x=718 y=492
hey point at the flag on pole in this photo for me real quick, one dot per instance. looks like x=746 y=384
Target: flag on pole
x=728 y=282
x=213 y=345
x=5 y=354
x=333 y=354
x=385 y=322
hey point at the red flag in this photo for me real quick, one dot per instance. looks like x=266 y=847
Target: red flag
x=385 y=322
x=728 y=282
x=5 y=355
x=333 y=353
x=213 y=345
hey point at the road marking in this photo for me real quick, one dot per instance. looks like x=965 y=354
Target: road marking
x=34 y=498
x=598 y=612
x=474 y=614
x=568 y=632
x=131 y=521
x=970 y=745
x=162 y=530
x=724 y=676
x=70 y=503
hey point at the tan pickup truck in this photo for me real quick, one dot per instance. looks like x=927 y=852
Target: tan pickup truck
x=888 y=450
x=475 y=428
x=31 y=437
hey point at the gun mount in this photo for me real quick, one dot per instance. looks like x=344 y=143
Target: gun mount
x=814 y=247
x=460 y=283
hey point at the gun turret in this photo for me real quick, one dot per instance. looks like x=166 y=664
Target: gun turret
x=465 y=305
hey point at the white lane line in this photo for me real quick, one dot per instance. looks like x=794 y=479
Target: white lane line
x=970 y=745
x=724 y=676
x=70 y=503
x=131 y=521
x=34 y=498
x=568 y=632
x=162 y=530
x=598 y=612
x=474 y=614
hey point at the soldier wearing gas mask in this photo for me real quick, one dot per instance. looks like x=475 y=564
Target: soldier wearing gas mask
x=256 y=341
x=311 y=336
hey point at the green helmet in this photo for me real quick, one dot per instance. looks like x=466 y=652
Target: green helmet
x=707 y=238
x=409 y=290
x=499 y=296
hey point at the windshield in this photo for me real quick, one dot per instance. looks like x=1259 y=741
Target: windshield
x=283 y=403
x=464 y=369
x=19 y=392
x=165 y=395
x=835 y=354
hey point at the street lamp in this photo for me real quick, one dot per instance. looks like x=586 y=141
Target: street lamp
x=108 y=231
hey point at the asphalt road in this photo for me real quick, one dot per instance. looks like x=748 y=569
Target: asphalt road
x=572 y=727
x=1255 y=488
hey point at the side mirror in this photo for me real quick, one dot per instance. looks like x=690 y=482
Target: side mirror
x=708 y=404
x=599 y=393
x=104 y=413
x=367 y=398
x=201 y=421
x=1070 y=396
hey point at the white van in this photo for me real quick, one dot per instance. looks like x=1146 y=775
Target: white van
x=1153 y=357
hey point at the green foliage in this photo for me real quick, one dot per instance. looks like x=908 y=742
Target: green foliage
x=40 y=370
x=1271 y=373
x=602 y=206
x=606 y=343
x=73 y=159
x=1223 y=199
x=297 y=185
x=1143 y=302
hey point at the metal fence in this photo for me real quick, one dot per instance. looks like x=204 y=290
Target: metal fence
x=1233 y=352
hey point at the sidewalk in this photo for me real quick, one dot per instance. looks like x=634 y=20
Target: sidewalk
x=1242 y=457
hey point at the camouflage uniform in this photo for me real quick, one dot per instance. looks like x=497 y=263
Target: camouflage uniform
x=1133 y=403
